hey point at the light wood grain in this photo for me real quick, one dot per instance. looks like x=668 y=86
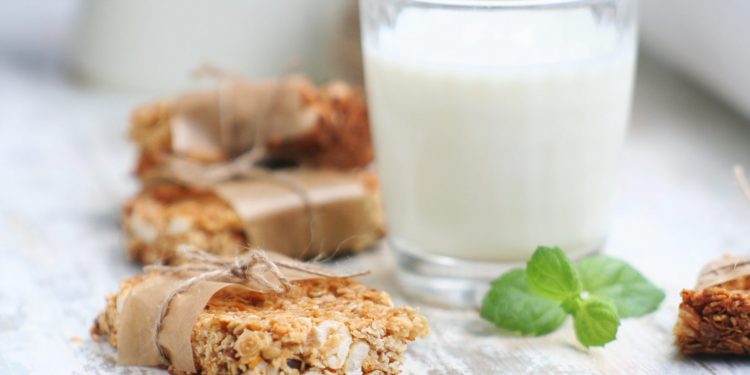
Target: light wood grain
x=64 y=163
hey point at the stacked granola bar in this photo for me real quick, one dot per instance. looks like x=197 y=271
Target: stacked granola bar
x=325 y=129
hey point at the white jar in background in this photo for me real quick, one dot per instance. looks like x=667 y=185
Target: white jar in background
x=156 y=45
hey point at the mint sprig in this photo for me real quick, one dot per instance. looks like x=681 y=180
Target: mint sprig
x=597 y=293
x=529 y=314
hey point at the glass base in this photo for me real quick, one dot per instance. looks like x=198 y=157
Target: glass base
x=447 y=281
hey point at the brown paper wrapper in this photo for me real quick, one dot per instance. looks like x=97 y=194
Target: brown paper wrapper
x=137 y=323
x=237 y=116
x=340 y=207
x=727 y=268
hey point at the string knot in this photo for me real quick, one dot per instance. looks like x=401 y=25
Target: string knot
x=252 y=269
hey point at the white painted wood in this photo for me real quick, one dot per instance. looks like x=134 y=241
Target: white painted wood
x=64 y=164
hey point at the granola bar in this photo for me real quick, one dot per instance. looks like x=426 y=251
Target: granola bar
x=320 y=326
x=338 y=136
x=165 y=215
x=715 y=320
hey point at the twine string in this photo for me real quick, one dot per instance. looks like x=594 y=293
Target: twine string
x=739 y=175
x=246 y=164
x=193 y=173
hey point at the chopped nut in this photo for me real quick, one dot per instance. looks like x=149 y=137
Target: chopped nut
x=272 y=351
x=143 y=230
x=357 y=355
x=179 y=225
x=333 y=339
x=250 y=343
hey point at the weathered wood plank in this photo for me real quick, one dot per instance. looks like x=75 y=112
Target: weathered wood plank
x=65 y=162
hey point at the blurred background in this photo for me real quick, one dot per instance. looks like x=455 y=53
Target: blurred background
x=71 y=71
x=152 y=47
x=147 y=46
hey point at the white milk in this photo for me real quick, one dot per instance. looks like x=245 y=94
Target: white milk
x=486 y=153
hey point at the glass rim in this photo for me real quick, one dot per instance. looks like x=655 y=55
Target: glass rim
x=508 y=4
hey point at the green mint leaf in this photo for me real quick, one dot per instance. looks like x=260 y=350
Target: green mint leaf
x=551 y=275
x=615 y=280
x=595 y=322
x=511 y=305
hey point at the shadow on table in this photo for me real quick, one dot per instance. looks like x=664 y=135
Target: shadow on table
x=708 y=360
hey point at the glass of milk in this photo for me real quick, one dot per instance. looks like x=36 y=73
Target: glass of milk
x=497 y=125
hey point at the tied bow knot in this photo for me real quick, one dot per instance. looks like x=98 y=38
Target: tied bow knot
x=254 y=266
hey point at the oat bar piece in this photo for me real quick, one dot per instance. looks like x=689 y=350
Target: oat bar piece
x=165 y=215
x=346 y=216
x=319 y=326
x=715 y=320
x=334 y=132
x=714 y=317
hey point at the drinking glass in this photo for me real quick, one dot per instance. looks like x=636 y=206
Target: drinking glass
x=497 y=127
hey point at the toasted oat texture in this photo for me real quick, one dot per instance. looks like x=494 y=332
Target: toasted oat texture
x=339 y=139
x=324 y=326
x=715 y=320
x=166 y=215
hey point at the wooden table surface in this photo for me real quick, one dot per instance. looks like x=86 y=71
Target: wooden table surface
x=65 y=165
